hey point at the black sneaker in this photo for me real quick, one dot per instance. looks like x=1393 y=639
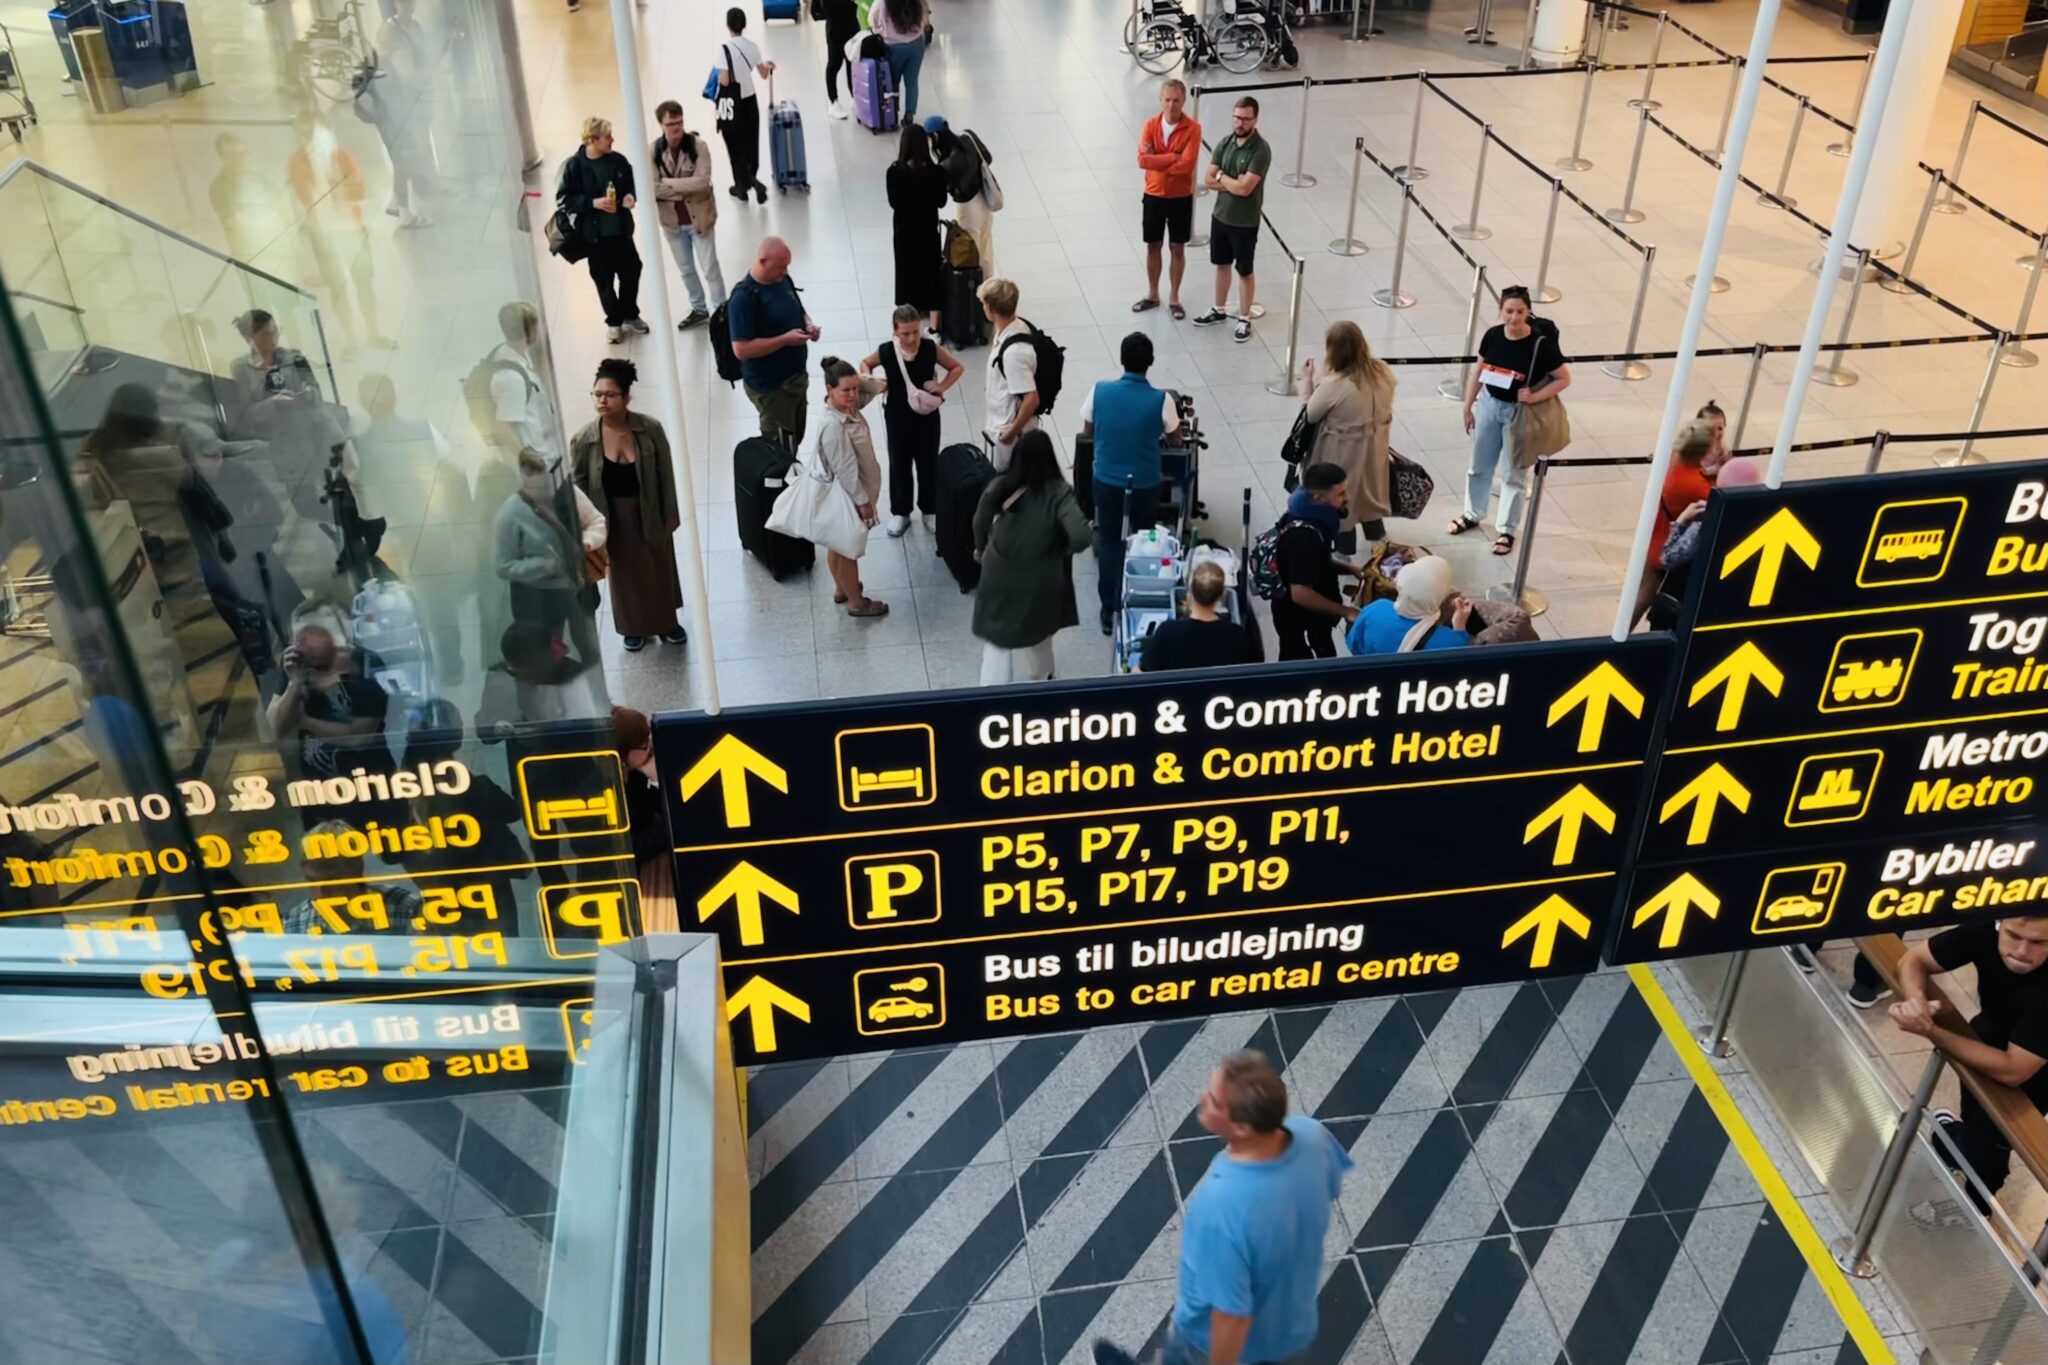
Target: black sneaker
x=697 y=318
x=637 y=325
x=1866 y=996
x=1244 y=329
x=633 y=643
x=1211 y=318
x=1108 y=626
x=678 y=636
x=1107 y=1353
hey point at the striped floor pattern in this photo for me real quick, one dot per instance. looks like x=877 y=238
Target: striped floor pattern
x=1538 y=1182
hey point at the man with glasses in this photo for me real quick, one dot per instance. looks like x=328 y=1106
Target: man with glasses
x=1237 y=172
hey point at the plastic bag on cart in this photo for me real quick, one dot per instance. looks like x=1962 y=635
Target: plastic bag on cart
x=386 y=622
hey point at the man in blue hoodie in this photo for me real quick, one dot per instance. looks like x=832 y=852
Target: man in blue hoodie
x=1129 y=420
x=1308 y=607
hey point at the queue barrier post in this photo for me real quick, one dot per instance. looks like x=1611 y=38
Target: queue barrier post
x=1848 y=142
x=1628 y=212
x=1650 y=70
x=1455 y=388
x=1481 y=32
x=1951 y=457
x=1545 y=293
x=1756 y=369
x=1576 y=161
x=1370 y=9
x=1299 y=178
x=1720 y=147
x=1717 y=285
x=1411 y=171
x=1284 y=385
x=1949 y=203
x=2013 y=353
x=1470 y=230
x=1835 y=374
x=1519 y=593
x=1778 y=199
x=1878 y=441
x=1713 y=1038
x=1528 y=38
x=1200 y=236
x=1391 y=296
x=1634 y=370
x=1899 y=284
x=1348 y=244
x=1852 y=1253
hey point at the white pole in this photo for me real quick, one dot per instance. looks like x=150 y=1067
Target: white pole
x=1725 y=186
x=633 y=141
x=1890 y=48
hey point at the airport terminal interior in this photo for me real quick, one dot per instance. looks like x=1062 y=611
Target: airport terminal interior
x=473 y=896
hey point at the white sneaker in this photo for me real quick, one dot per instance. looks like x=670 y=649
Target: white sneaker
x=838 y=110
x=897 y=526
x=931 y=524
x=614 y=335
x=414 y=220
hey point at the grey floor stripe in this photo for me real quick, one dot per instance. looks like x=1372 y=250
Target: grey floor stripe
x=1465 y=1327
x=1125 y=1232
x=771 y=1087
x=1631 y=1279
x=1690 y=1158
x=1493 y=1070
x=1759 y=1299
x=1390 y=1049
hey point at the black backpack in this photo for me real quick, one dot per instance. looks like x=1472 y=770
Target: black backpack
x=721 y=346
x=1052 y=363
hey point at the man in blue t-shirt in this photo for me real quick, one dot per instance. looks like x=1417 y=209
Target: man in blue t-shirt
x=771 y=335
x=1251 y=1255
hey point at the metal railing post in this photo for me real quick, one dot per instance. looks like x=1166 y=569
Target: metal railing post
x=1878 y=441
x=1372 y=13
x=1455 y=388
x=1285 y=384
x=1951 y=456
x=1650 y=72
x=1852 y=1253
x=1298 y=178
x=1528 y=37
x=1544 y=293
x=1949 y=203
x=1927 y=206
x=1713 y=1038
x=1348 y=244
x=1200 y=236
x=1717 y=285
x=1756 y=369
x=1470 y=230
x=1778 y=199
x=2013 y=353
x=1835 y=374
x=1411 y=171
x=1519 y=593
x=1720 y=147
x=1633 y=370
x=1628 y=212
x=1848 y=142
x=1577 y=162
x=1481 y=31
x=1391 y=296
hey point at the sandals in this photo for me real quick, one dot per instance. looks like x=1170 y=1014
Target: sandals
x=1179 y=313
x=1504 y=543
x=1461 y=524
x=1145 y=305
x=872 y=609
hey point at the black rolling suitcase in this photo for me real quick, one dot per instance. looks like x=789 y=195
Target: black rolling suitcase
x=1084 y=475
x=961 y=323
x=759 y=467
x=963 y=472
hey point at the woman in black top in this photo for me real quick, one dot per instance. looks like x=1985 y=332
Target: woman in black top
x=842 y=21
x=621 y=462
x=917 y=191
x=596 y=191
x=1520 y=362
x=1201 y=639
x=911 y=363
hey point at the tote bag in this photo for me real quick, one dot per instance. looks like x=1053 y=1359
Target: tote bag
x=1542 y=428
x=812 y=506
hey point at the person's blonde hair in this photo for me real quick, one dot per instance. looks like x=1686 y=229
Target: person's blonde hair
x=1206 y=583
x=1695 y=439
x=999 y=294
x=1346 y=352
x=596 y=127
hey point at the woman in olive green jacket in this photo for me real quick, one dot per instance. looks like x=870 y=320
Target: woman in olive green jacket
x=1027 y=531
x=621 y=462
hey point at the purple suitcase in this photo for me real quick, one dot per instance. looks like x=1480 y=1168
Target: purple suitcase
x=874 y=94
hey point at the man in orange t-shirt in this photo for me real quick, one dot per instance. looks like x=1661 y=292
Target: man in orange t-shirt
x=1167 y=150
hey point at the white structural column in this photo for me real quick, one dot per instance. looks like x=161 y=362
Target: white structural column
x=1892 y=195
x=1561 y=31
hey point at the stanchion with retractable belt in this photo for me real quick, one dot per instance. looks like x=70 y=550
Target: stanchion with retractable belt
x=1848 y=142
x=1371 y=29
x=1455 y=388
x=1650 y=67
x=1634 y=370
x=1878 y=441
x=1901 y=282
x=1949 y=203
x=1577 y=161
x=1348 y=244
x=1391 y=296
x=1528 y=38
x=1284 y=385
x=1835 y=374
x=1950 y=457
x=1756 y=369
x=2013 y=354
x=1200 y=235
x=1412 y=170
x=1720 y=147
x=1481 y=32
x=1470 y=230
x=1778 y=199
x=1545 y=293
x=1519 y=593
x=1628 y=212
x=1299 y=178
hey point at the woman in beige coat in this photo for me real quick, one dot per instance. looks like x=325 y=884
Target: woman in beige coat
x=846 y=448
x=1352 y=407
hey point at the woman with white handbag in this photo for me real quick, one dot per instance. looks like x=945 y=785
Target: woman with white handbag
x=832 y=492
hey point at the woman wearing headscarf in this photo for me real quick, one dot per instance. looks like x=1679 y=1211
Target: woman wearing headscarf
x=1413 y=619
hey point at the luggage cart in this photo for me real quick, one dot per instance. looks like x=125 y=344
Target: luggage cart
x=17 y=110
x=1180 y=503
x=1150 y=593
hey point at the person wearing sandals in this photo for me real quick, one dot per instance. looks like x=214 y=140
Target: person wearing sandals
x=847 y=448
x=1027 y=529
x=1520 y=362
x=1352 y=406
x=621 y=463
x=1167 y=151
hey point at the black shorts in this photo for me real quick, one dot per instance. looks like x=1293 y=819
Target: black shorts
x=1232 y=245
x=1166 y=219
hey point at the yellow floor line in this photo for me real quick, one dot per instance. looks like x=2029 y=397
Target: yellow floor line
x=1819 y=1259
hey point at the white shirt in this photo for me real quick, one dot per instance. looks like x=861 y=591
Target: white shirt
x=1011 y=375
x=745 y=57
x=1169 y=411
x=521 y=401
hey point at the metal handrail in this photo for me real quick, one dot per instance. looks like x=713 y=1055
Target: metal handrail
x=2026 y=31
x=20 y=164
x=44 y=298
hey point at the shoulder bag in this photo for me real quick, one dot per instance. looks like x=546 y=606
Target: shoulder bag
x=1409 y=485
x=812 y=506
x=1543 y=428
x=991 y=190
x=724 y=100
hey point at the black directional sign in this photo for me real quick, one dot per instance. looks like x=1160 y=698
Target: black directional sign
x=914 y=870
x=1859 y=728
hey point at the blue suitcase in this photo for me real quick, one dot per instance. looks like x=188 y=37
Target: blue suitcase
x=780 y=9
x=874 y=94
x=786 y=158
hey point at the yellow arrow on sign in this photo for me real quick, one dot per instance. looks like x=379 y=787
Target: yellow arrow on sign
x=1568 y=813
x=744 y=887
x=1684 y=894
x=730 y=760
x=1704 y=793
x=1767 y=545
x=1545 y=920
x=1594 y=691
x=1736 y=672
x=759 y=999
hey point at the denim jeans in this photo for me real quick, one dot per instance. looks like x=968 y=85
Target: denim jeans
x=1492 y=421
x=905 y=60
x=684 y=243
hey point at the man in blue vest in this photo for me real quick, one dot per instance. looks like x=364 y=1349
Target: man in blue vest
x=1129 y=420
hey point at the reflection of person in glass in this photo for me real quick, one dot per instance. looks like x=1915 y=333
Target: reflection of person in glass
x=342 y=876
x=330 y=715
x=399 y=101
x=328 y=184
x=546 y=562
x=653 y=849
x=245 y=199
x=277 y=399
x=440 y=735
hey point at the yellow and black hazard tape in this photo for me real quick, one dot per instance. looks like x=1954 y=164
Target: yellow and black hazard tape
x=2015 y=224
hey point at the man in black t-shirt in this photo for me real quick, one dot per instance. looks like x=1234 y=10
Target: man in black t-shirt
x=2011 y=1045
x=1308 y=608
x=1201 y=639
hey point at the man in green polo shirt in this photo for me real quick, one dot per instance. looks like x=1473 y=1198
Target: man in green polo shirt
x=1237 y=172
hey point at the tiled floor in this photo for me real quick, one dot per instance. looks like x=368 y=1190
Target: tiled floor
x=1537 y=1179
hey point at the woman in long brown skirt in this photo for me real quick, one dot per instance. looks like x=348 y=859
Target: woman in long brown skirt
x=621 y=463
